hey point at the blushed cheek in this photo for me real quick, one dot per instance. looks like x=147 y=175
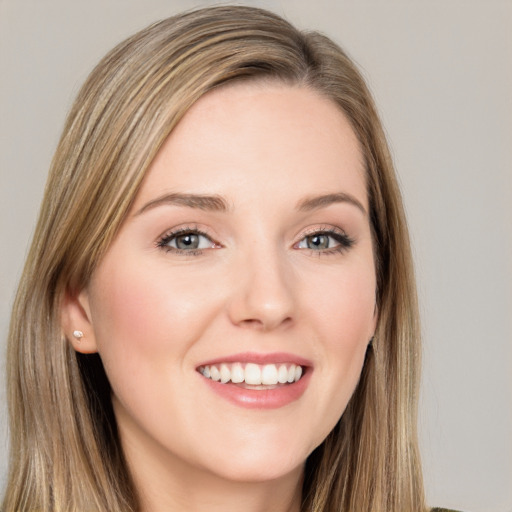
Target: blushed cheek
x=349 y=318
x=127 y=316
x=123 y=313
x=350 y=306
x=346 y=325
x=146 y=312
x=133 y=327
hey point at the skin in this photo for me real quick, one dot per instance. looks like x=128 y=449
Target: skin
x=259 y=285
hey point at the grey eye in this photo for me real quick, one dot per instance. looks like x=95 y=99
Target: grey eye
x=187 y=241
x=317 y=242
x=326 y=241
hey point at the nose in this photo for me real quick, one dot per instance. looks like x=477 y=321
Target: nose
x=263 y=296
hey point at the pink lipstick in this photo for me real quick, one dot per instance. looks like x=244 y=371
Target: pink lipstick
x=263 y=381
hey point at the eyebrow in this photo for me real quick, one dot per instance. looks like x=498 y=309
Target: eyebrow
x=219 y=204
x=317 y=202
x=203 y=202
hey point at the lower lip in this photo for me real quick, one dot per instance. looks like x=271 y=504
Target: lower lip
x=261 y=398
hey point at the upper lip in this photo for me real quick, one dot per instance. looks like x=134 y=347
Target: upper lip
x=259 y=358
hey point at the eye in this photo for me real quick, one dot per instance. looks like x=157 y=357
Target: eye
x=326 y=241
x=188 y=240
x=316 y=242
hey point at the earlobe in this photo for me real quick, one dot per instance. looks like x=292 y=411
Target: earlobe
x=76 y=322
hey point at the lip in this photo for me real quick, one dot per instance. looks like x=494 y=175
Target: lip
x=258 y=358
x=266 y=398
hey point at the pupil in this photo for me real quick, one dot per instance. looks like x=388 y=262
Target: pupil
x=318 y=242
x=188 y=241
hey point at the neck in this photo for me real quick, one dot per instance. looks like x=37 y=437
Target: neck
x=215 y=495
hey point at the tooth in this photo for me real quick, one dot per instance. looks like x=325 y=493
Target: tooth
x=252 y=374
x=282 y=374
x=269 y=374
x=291 y=373
x=237 y=373
x=214 y=373
x=225 y=374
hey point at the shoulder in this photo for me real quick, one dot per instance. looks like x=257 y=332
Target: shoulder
x=437 y=509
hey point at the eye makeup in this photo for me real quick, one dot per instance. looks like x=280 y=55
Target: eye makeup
x=192 y=241
x=325 y=240
x=189 y=241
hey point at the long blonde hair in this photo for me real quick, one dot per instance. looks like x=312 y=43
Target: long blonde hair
x=65 y=452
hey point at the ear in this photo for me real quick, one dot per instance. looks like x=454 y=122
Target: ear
x=76 y=322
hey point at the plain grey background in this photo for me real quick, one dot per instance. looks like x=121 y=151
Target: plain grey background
x=441 y=72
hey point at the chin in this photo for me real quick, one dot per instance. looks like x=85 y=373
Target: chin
x=259 y=471
x=265 y=460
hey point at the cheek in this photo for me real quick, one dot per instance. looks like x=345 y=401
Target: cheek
x=143 y=311
x=127 y=325
x=345 y=305
x=145 y=321
x=125 y=311
x=345 y=322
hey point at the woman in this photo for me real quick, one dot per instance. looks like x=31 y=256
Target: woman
x=219 y=302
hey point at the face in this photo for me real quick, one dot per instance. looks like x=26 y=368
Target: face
x=234 y=308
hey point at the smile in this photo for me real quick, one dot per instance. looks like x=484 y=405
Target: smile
x=258 y=381
x=253 y=374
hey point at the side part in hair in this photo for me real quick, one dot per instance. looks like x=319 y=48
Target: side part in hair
x=65 y=451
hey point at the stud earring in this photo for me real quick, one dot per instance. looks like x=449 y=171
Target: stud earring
x=78 y=335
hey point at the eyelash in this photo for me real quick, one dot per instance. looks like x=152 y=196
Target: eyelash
x=164 y=240
x=344 y=241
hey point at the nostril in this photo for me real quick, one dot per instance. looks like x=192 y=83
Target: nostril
x=266 y=324
x=252 y=322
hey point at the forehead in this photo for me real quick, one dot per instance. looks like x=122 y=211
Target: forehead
x=244 y=137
